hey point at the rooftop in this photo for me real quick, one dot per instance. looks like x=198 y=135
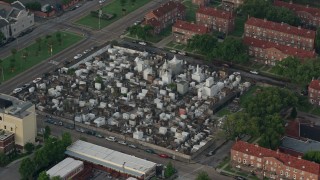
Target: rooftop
x=281 y=27
x=191 y=27
x=310 y=131
x=284 y=49
x=13 y=106
x=168 y=7
x=64 y=167
x=109 y=158
x=286 y=159
x=215 y=12
x=299 y=145
x=315 y=84
x=297 y=7
x=5 y=134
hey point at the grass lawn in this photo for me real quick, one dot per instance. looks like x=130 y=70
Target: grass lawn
x=239 y=26
x=191 y=11
x=225 y=161
x=180 y=46
x=171 y=44
x=34 y=57
x=113 y=8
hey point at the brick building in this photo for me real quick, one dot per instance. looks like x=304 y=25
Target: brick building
x=182 y=31
x=272 y=164
x=308 y=15
x=280 y=33
x=269 y=53
x=165 y=15
x=314 y=92
x=201 y=2
x=215 y=19
x=6 y=142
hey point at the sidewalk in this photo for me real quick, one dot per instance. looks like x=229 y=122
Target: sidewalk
x=164 y=42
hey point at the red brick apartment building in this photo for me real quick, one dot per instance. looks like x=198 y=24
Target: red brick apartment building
x=7 y=142
x=215 y=19
x=165 y=15
x=280 y=33
x=200 y=2
x=269 y=53
x=308 y=15
x=182 y=31
x=272 y=164
x=314 y=92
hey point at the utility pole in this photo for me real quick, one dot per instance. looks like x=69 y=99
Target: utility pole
x=100 y=14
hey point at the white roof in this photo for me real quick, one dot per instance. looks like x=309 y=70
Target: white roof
x=110 y=158
x=64 y=168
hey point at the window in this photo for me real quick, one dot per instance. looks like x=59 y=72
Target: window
x=239 y=160
x=287 y=168
x=11 y=129
x=5 y=127
x=281 y=172
x=287 y=174
x=294 y=176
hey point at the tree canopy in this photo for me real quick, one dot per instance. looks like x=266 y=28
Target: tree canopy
x=43 y=176
x=202 y=175
x=317 y=41
x=141 y=32
x=202 y=43
x=27 y=168
x=312 y=156
x=297 y=71
x=264 y=9
x=169 y=171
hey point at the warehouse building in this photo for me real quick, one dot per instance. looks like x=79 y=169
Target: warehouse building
x=112 y=161
x=66 y=169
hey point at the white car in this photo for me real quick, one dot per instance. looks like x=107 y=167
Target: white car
x=86 y=51
x=254 y=72
x=36 y=80
x=173 y=51
x=122 y=142
x=182 y=53
x=16 y=90
x=102 y=1
x=111 y=138
x=77 y=56
x=132 y=146
x=142 y=43
x=236 y=73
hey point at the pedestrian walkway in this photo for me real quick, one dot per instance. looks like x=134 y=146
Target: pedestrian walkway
x=164 y=41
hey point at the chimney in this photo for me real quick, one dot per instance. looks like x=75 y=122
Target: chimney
x=281 y=23
x=307 y=5
x=265 y=19
x=290 y=2
x=277 y=151
x=299 y=157
x=299 y=27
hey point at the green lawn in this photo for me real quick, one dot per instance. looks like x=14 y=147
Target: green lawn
x=244 y=97
x=239 y=26
x=222 y=112
x=113 y=8
x=191 y=10
x=34 y=56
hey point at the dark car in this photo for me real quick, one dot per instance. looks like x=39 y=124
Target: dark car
x=73 y=8
x=151 y=151
x=91 y=133
x=239 y=178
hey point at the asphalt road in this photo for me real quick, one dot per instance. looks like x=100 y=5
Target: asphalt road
x=111 y=32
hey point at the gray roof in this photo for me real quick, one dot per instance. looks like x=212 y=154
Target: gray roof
x=109 y=158
x=299 y=145
x=3 y=23
x=18 y=5
x=14 y=106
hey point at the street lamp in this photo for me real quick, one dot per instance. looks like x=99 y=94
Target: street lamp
x=123 y=167
x=100 y=14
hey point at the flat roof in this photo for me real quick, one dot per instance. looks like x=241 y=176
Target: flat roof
x=299 y=145
x=14 y=106
x=5 y=134
x=109 y=158
x=64 y=167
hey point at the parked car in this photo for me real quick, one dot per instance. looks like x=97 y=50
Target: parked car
x=122 y=142
x=99 y=135
x=210 y=153
x=239 y=178
x=77 y=56
x=236 y=73
x=132 y=146
x=60 y=123
x=182 y=53
x=16 y=90
x=101 y=1
x=73 y=8
x=254 y=72
x=37 y=80
x=111 y=138
x=78 y=5
x=173 y=51
x=92 y=133
x=142 y=43
x=163 y=156
x=25 y=86
x=151 y=151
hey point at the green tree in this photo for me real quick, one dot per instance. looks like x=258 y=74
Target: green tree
x=27 y=168
x=1 y=66
x=12 y=64
x=202 y=43
x=293 y=113
x=312 y=156
x=41 y=159
x=43 y=176
x=169 y=171
x=317 y=41
x=202 y=175
x=4 y=159
x=29 y=147
x=272 y=131
x=36 y=6
x=66 y=140
x=123 y=4
x=132 y=2
x=59 y=37
x=2 y=37
x=56 y=178
x=38 y=40
x=47 y=132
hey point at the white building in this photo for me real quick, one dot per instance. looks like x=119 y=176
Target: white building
x=198 y=75
x=166 y=73
x=66 y=169
x=176 y=65
x=113 y=160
